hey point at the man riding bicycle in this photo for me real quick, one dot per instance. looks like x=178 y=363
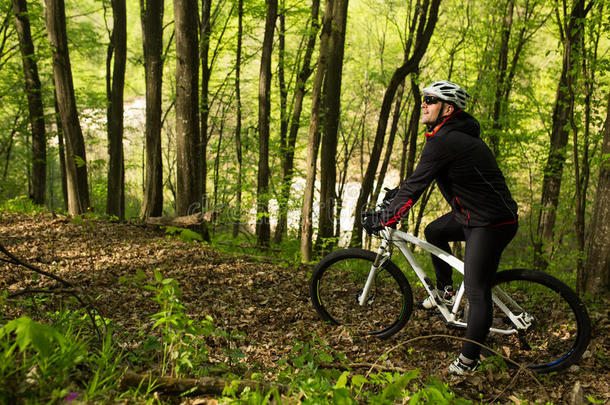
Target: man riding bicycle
x=483 y=214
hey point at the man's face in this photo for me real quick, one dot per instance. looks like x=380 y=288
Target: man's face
x=430 y=109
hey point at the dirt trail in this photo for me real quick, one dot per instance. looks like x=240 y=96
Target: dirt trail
x=268 y=303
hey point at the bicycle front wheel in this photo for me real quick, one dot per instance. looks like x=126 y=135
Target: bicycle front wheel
x=560 y=328
x=337 y=282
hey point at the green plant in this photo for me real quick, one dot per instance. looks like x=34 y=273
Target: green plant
x=436 y=392
x=37 y=360
x=183 y=339
x=22 y=205
x=186 y=235
x=105 y=363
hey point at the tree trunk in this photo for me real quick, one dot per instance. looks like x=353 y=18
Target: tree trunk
x=151 y=15
x=328 y=154
x=218 y=154
x=188 y=169
x=206 y=72
x=8 y=149
x=595 y=278
x=412 y=132
x=76 y=160
x=300 y=91
x=115 y=84
x=501 y=78
x=410 y=66
x=390 y=146
x=34 y=93
x=61 y=147
x=582 y=167
x=563 y=110
x=238 y=152
x=314 y=137
x=282 y=205
x=263 y=228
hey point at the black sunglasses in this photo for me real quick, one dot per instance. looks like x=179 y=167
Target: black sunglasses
x=429 y=100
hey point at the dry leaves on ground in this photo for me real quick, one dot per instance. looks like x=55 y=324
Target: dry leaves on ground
x=268 y=303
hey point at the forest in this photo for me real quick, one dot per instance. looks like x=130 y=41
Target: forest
x=151 y=148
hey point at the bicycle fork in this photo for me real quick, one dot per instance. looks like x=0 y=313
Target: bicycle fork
x=380 y=259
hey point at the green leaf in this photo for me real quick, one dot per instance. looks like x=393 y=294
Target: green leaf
x=30 y=333
x=342 y=396
x=358 y=380
x=79 y=161
x=594 y=401
x=342 y=381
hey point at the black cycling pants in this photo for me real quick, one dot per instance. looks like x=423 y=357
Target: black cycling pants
x=484 y=246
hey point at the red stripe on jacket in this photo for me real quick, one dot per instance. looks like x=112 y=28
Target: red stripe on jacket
x=399 y=214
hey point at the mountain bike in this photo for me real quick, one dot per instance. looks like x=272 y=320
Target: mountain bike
x=538 y=320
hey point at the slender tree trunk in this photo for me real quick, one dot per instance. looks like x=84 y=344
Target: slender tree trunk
x=218 y=154
x=8 y=149
x=206 y=72
x=263 y=228
x=300 y=91
x=390 y=146
x=188 y=168
x=501 y=71
x=328 y=154
x=238 y=152
x=314 y=137
x=412 y=131
x=151 y=15
x=427 y=22
x=34 y=93
x=590 y=63
x=282 y=205
x=115 y=84
x=563 y=110
x=344 y=173
x=76 y=160
x=595 y=277
x=61 y=147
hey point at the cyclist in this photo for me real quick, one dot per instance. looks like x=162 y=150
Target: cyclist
x=483 y=213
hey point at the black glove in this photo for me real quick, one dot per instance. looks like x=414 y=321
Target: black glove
x=371 y=222
x=388 y=197
x=390 y=193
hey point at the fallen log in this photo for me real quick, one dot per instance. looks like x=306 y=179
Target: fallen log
x=184 y=221
x=195 y=386
x=195 y=222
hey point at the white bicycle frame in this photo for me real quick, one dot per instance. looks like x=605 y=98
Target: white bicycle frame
x=520 y=320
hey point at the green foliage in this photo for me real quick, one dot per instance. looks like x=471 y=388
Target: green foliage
x=306 y=372
x=22 y=205
x=592 y=400
x=40 y=363
x=182 y=339
x=33 y=335
x=186 y=235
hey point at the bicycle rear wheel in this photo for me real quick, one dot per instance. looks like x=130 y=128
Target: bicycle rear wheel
x=338 y=280
x=560 y=329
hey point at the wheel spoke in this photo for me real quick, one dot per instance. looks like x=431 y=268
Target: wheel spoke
x=559 y=327
x=338 y=282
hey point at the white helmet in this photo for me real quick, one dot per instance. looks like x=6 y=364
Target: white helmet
x=448 y=91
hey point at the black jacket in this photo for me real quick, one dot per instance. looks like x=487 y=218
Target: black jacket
x=466 y=173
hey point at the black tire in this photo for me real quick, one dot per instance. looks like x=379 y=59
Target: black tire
x=560 y=331
x=337 y=281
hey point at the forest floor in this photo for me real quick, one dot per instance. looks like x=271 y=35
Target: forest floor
x=268 y=302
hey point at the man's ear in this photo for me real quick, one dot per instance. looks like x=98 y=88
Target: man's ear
x=449 y=109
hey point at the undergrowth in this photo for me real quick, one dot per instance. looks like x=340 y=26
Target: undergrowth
x=57 y=358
